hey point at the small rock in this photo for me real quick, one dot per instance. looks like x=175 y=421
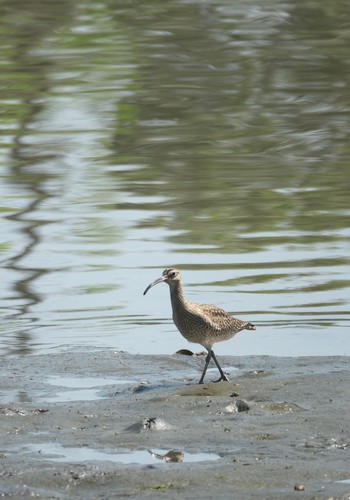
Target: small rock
x=185 y=352
x=142 y=387
x=150 y=424
x=237 y=405
x=299 y=487
x=234 y=395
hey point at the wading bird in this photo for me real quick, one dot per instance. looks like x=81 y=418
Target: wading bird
x=200 y=323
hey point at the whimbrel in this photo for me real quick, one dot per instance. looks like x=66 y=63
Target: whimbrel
x=200 y=323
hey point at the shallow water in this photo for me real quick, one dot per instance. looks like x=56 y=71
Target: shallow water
x=79 y=388
x=210 y=136
x=58 y=453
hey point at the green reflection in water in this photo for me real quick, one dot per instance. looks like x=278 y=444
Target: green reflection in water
x=240 y=123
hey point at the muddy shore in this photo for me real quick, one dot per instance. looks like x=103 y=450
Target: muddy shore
x=84 y=424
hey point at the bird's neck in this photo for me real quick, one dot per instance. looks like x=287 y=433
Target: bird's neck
x=177 y=296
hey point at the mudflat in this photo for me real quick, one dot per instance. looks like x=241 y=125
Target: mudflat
x=89 y=423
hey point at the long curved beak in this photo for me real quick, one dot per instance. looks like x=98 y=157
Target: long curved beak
x=159 y=280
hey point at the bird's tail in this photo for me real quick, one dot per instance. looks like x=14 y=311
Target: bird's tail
x=249 y=326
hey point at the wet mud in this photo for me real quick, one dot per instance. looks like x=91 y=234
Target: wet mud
x=102 y=424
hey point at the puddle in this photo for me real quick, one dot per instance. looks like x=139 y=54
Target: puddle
x=14 y=396
x=86 y=382
x=344 y=481
x=84 y=388
x=58 y=453
x=76 y=395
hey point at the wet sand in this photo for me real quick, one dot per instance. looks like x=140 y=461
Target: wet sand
x=80 y=424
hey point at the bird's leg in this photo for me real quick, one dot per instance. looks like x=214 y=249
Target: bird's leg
x=210 y=355
x=223 y=376
x=207 y=361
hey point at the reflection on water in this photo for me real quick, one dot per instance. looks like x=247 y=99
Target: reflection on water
x=210 y=136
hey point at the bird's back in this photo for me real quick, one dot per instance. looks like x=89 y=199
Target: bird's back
x=206 y=324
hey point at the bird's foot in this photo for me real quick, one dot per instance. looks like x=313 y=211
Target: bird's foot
x=223 y=378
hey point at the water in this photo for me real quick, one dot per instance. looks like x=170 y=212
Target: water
x=58 y=453
x=81 y=388
x=209 y=136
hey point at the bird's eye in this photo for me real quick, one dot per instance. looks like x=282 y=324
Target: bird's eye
x=172 y=275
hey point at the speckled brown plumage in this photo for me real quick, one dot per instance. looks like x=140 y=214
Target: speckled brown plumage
x=200 y=323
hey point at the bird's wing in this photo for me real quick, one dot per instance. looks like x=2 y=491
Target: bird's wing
x=220 y=319
x=213 y=316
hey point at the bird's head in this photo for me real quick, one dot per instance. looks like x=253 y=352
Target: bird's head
x=170 y=276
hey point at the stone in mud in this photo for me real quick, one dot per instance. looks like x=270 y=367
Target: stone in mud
x=236 y=406
x=150 y=424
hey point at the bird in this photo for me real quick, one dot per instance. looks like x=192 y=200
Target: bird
x=202 y=324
